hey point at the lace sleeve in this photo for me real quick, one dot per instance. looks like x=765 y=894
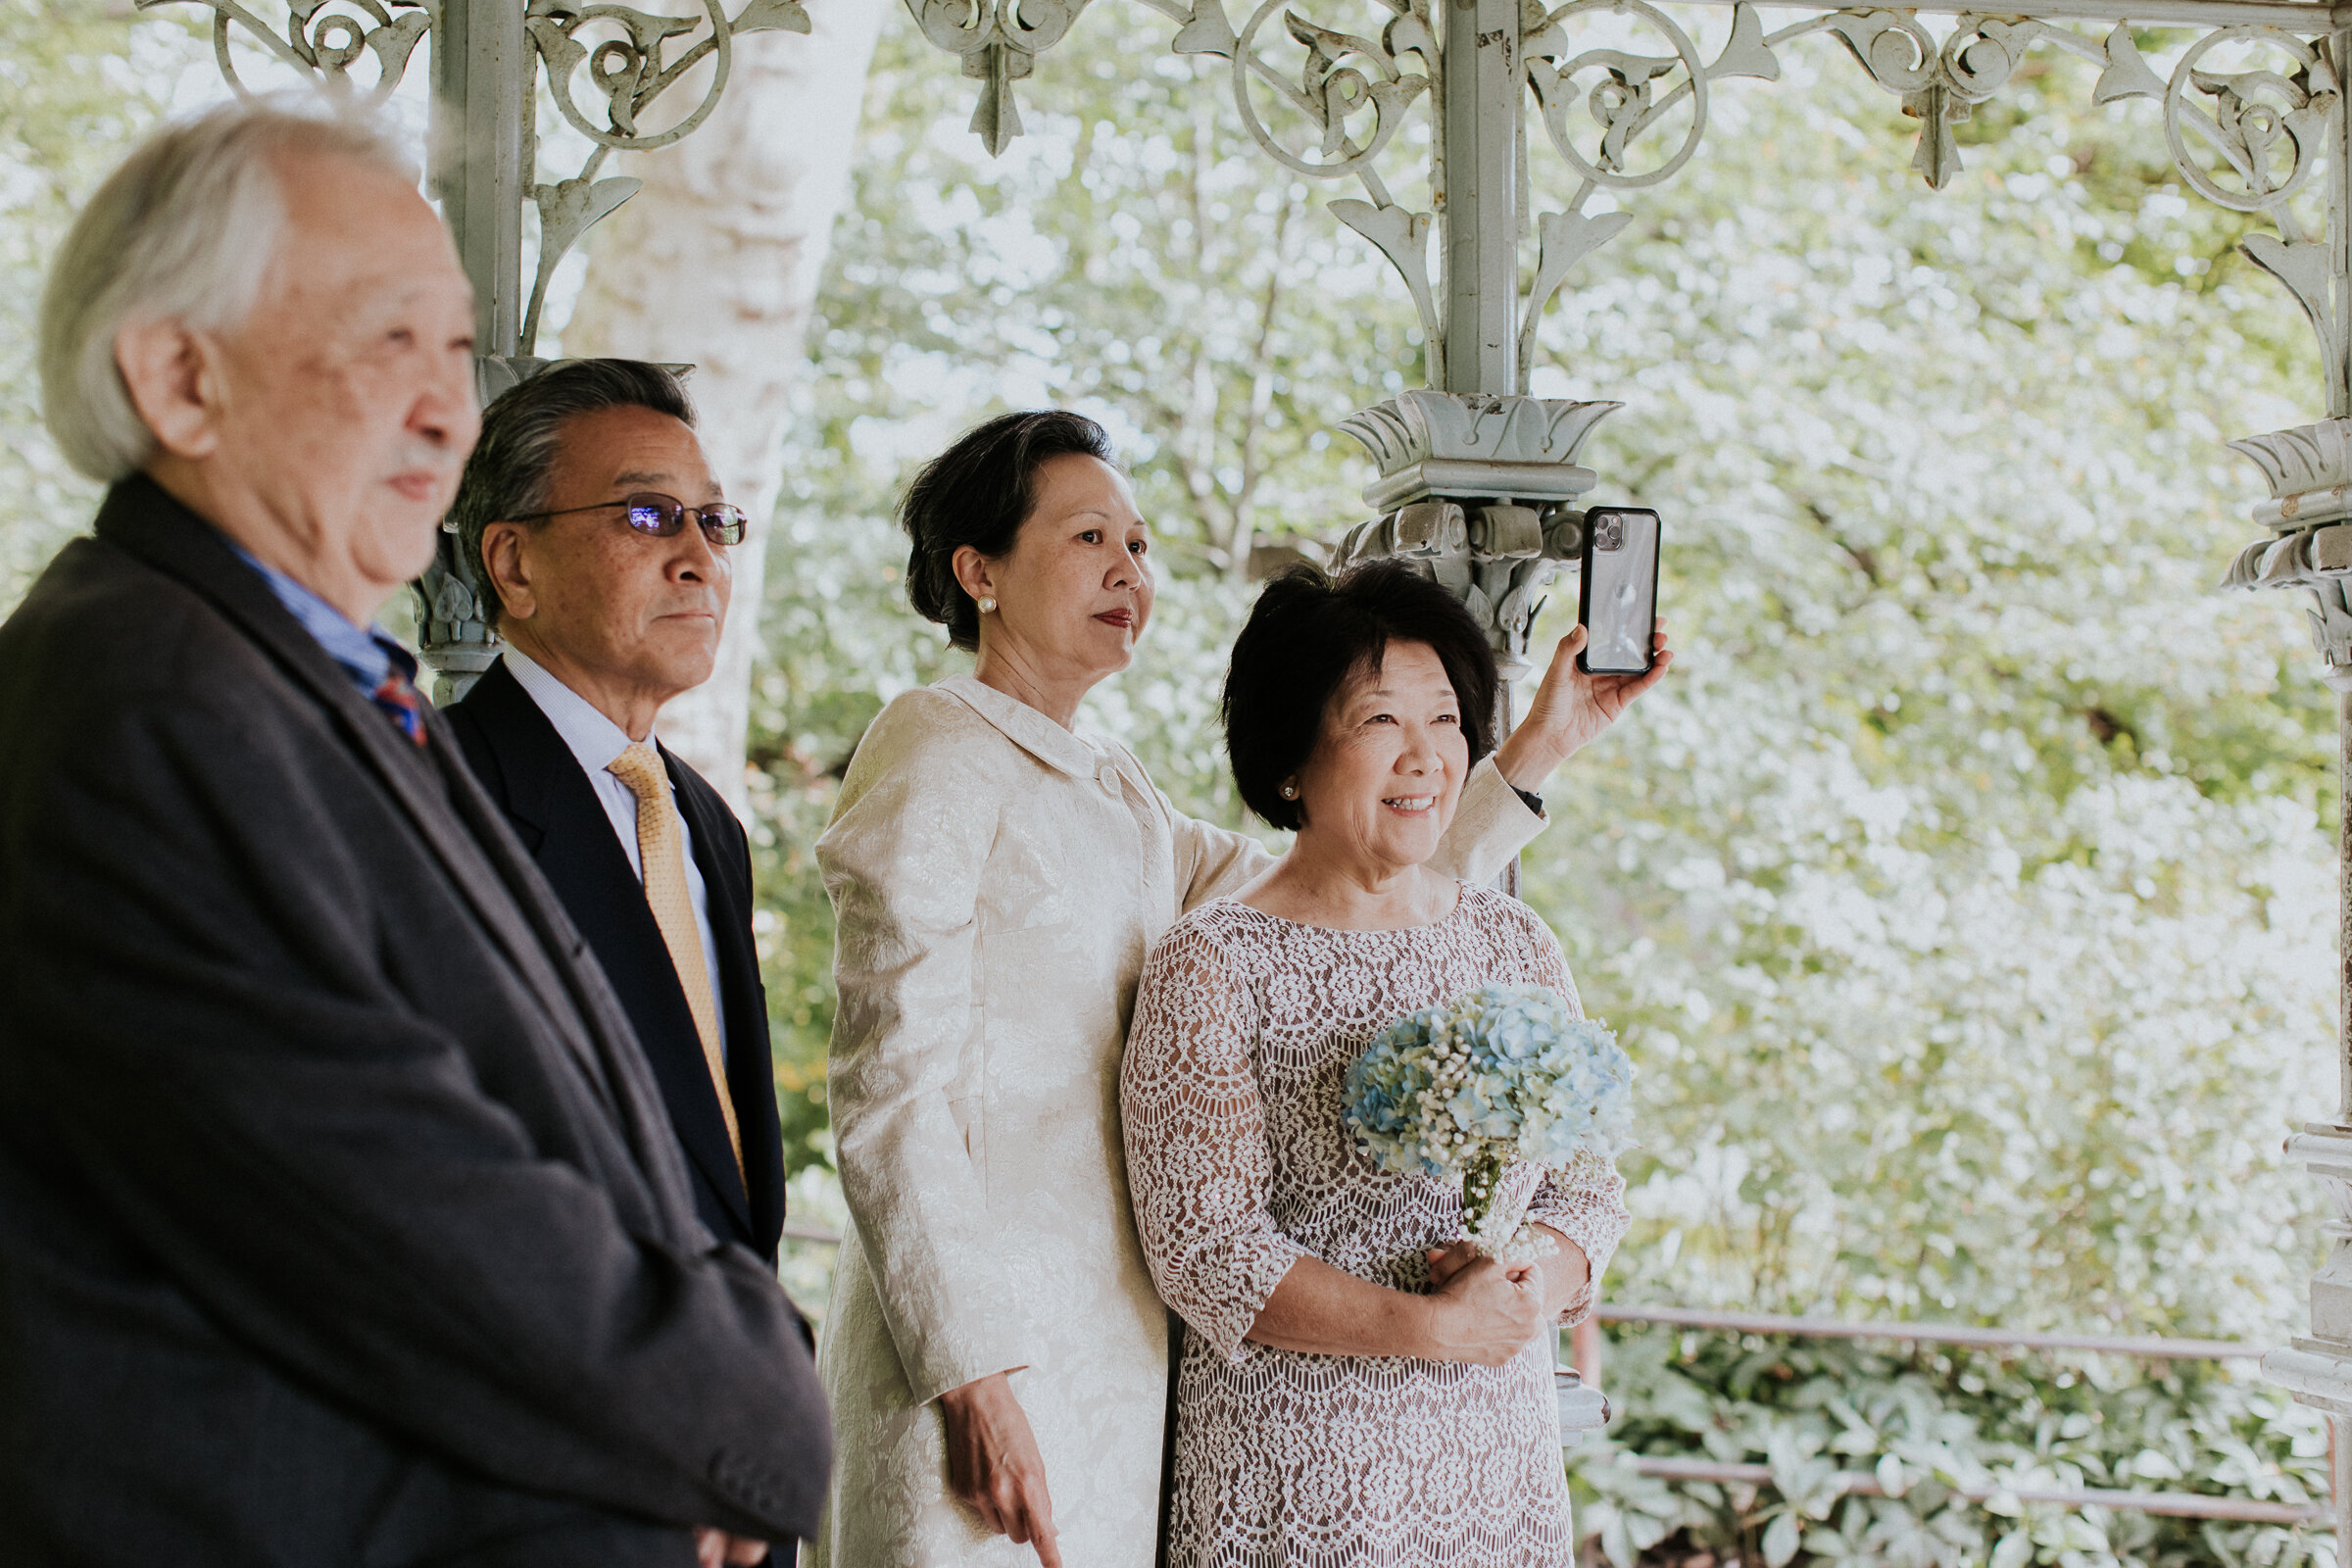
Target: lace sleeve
x=1198 y=1166
x=1585 y=1202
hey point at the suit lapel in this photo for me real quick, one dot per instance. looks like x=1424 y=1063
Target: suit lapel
x=141 y=519
x=641 y=1109
x=554 y=812
x=750 y=1075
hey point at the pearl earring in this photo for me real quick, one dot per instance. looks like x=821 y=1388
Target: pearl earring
x=1289 y=792
x=987 y=606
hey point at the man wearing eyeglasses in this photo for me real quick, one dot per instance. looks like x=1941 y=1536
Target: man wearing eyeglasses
x=599 y=535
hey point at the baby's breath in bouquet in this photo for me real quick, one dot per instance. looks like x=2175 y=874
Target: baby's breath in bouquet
x=1505 y=1075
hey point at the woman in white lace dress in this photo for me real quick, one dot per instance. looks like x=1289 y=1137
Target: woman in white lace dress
x=1357 y=1390
x=995 y=1354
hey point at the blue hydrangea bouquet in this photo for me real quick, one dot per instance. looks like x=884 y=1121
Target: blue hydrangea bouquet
x=1505 y=1075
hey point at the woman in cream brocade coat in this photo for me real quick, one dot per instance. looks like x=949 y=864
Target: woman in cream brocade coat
x=997 y=880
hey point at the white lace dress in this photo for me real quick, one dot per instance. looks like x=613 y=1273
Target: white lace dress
x=1239 y=1165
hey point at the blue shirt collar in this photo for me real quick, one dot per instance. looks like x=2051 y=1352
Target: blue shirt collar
x=368 y=656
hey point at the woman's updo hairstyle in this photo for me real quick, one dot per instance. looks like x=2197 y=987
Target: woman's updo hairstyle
x=1308 y=635
x=978 y=493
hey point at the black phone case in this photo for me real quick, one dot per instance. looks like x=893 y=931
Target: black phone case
x=1583 y=587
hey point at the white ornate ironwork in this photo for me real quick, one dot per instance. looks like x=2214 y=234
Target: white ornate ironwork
x=605 y=67
x=631 y=59
x=1475 y=488
x=2250 y=109
x=999 y=42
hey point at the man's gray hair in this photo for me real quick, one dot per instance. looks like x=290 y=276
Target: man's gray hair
x=513 y=467
x=184 y=230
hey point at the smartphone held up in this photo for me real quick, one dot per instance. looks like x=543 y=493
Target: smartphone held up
x=1617 y=599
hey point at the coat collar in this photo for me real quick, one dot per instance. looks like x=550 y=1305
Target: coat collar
x=1032 y=731
x=529 y=754
x=434 y=786
x=534 y=753
x=592 y=738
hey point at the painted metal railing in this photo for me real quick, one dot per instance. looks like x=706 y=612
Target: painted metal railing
x=1864 y=1483
x=1584 y=1408
x=1814 y=1328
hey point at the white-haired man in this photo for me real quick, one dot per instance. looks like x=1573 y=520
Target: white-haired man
x=340 y=1220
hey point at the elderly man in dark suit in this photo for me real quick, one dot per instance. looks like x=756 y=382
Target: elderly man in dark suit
x=340 y=1218
x=601 y=538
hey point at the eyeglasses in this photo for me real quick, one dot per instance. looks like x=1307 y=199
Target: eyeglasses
x=662 y=517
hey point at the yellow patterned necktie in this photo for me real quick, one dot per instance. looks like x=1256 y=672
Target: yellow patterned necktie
x=664 y=855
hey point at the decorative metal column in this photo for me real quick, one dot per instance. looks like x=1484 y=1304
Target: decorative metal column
x=2309 y=472
x=1478 y=198
x=1475 y=480
x=481 y=147
x=490 y=59
x=482 y=102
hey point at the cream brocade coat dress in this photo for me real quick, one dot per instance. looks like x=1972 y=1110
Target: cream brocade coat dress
x=997 y=882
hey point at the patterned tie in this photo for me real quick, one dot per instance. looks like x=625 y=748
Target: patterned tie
x=664 y=855
x=397 y=694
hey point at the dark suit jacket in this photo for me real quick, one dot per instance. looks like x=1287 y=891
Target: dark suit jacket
x=535 y=779
x=340 y=1218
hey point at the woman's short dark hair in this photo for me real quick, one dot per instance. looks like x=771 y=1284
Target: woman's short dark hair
x=1308 y=635
x=513 y=463
x=978 y=493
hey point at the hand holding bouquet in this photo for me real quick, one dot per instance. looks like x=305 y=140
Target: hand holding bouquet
x=1505 y=1075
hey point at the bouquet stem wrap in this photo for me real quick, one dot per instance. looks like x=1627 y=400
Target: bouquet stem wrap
x=1489 y=1228
x=1503 y=1076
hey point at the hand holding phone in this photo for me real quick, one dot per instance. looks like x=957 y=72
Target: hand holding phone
x=1592 y=682
x=1617 y=600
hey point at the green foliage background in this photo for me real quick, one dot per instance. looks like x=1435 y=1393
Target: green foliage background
x=1965 y=896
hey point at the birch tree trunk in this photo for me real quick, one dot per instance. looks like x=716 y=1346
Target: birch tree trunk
x=716 y=263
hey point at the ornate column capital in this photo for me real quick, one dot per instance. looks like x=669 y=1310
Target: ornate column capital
x=2308 y=472
x=1477 y=489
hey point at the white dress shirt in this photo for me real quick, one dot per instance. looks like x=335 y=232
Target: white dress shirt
x=597 y=743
